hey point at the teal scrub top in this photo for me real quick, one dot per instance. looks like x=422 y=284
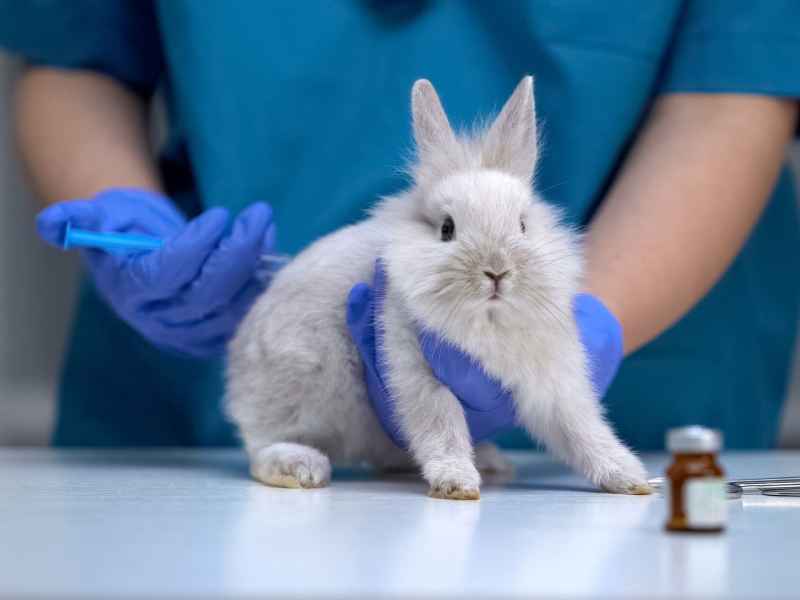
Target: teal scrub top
x=305 y=105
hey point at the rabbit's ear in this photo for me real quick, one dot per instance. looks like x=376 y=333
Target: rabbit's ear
x=510 y=144
x=432 y=132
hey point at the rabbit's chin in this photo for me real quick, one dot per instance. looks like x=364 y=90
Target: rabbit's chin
x=479 y=315
x=500 y=312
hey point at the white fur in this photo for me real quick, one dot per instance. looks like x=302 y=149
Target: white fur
x=295 y=382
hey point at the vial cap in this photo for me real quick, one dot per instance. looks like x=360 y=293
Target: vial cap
x=694 y=439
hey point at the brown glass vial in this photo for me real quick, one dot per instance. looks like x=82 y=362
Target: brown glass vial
x=695 y=486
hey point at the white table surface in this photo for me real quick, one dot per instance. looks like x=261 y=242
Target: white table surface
x=138 y=523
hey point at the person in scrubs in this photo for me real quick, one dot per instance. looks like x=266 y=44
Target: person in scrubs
x=665 y=130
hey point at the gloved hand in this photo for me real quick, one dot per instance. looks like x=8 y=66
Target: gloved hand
x=487 y=406
x=189 y=295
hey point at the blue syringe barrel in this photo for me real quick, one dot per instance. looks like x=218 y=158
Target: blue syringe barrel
x=126 y=242
x=131 y=242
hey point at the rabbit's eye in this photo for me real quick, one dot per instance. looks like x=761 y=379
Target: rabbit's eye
x=522 y=226
x=448 y=229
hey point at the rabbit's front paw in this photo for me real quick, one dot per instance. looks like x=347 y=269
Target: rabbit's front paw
x=453 y=480
x=624 y=475
x=291 y=466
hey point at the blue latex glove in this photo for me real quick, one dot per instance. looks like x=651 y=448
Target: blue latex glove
x=487 y=406
x=187 y=296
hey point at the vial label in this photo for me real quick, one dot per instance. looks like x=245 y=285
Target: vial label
x=704 y=499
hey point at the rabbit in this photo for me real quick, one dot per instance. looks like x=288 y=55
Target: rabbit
x=470 y=252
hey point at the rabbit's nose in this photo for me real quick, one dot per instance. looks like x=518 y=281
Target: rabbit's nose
x=495 y=277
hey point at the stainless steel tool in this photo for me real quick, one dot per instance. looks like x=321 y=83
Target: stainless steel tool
x=794 y=492
x=771 y=486
x=768 y=483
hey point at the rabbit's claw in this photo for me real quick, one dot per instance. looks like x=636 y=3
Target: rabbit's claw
x=448 y=490
x=621 y=484
x=625 y=475
x=453 y=480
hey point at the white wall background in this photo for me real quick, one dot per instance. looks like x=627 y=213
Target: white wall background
x=37 y=287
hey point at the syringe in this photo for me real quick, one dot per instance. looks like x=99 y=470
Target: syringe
x=132 y=243
x=111 y=242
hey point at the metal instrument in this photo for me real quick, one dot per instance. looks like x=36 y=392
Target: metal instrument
x=794 y=492
x=769 y=486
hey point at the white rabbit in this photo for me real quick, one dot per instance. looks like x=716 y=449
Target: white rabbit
x=471 y=253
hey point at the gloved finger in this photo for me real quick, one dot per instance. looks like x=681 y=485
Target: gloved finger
x=602 y=338
x=218 y=328
x=51 y=221
x=361 y=325
x=227 y=270
x=101 y=262
x=156 y=209
x=270 y=239
x=127 y=210
x=113 y=210
x=163 y=272
x=207 y=338
x=359 y=320
x=165 y=311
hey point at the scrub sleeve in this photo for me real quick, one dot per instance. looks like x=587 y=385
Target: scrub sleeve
x=118 y=38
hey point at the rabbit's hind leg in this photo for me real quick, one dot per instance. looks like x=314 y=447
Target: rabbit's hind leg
x=490 y=460
x=290 y=465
